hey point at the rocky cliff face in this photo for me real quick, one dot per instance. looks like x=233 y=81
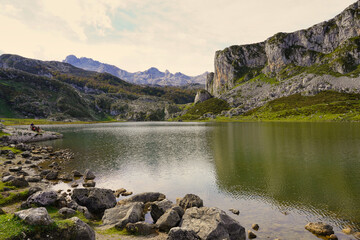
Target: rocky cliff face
x=333 y=46
x=152 y=76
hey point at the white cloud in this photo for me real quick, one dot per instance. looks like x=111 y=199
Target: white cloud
x=138 y=34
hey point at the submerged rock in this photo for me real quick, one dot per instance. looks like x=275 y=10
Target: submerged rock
x=35 y=216
x=212 y=223
x=319 y=228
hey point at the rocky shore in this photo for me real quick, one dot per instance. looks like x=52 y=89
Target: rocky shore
x=30 y=209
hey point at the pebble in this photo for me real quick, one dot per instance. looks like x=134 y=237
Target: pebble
x=251 y=235
x=255 y=226
x=234 y=211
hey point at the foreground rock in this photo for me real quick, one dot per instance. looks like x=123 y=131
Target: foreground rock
x=159 y=208
x=121 y=215
x=144 y=198
x=191 y=200
x=35 y=216
x=26 y=136
x=171 y=218
x=320 y=228
x=97 y=200
x=178 y=233
x=141 y=228
x=42 y=198
x=80 y=230
x=212 y=223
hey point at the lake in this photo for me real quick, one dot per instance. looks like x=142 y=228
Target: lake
x=279 y=175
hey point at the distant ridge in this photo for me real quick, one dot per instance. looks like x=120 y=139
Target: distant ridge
x=152 y=76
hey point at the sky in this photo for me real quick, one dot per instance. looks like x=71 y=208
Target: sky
x=134 y=35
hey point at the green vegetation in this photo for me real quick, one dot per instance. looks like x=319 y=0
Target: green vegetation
x=3 y=134
x=3 y=185
x=212 y=106
x=325 y=106
x=54 y=214
x=14 y=150
x=28 y=121
x=13 y=197
x=113 y=231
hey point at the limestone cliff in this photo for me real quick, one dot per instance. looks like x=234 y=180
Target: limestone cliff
x=331 y=47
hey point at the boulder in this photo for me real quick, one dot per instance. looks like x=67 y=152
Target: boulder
x=67 y=212
x=76 y=173
x=15 y=169
x=42 y=198
x=84 y=211
x=81 y=230
x=35 y=216
x=33 y=178
x=191 y=200
x=33 y=190
x=7 y=178
x=158 y=208
x=168 y=220
x=19 y=182
x=141 y=228
x=319 y=228
x=43 y=173
x=89 y=175
x=144 y=198
x=97 y=200
x=178 y=233
x=26 y=154
x=66 y=177
x=124 y=214
x=201 y=96
x=52 y=175
x=212 y=223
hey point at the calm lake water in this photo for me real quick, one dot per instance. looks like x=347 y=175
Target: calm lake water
x=279 y=175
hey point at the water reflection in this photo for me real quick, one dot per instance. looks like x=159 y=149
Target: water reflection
x=312 y=167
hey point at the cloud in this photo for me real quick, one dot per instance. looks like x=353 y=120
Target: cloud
x=138 y=34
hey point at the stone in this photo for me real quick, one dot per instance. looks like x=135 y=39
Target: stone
x=76 y=173
x=178 y=233
x=15 y=169
x=347 y=231
x=97 y=200
x=141 y=228
x=319 y=228
x=4 y=174
x=332 y=237
x=158 y=208
x=124 y=214
x=66 y=177
x=212 y=223
x=251 y=235
x=33 y=190
x=52 y=175
x=8 y=162
x=89 y=175
x=19 y=182
x=7 y=178
x=119 y=192
x=168 y=220
x=27 y=161
x=201 y=96
x=127 y=193
x=144 y=197
x=42 y=198
x=74 y=185
x=43 y=173
x=35 y=216
x=255 y=226
x=85 y=211
x=26 y=154
x=90 y=183
x=190 y=200
x=81 y=230
x=67 y=212
x=234 y=211
x=33 y=178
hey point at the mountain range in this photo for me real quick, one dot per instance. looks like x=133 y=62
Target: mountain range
x=152 y=76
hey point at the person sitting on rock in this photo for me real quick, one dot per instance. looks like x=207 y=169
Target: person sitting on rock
x=34 y=128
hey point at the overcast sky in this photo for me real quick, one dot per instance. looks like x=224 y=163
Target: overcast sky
x=181 y=35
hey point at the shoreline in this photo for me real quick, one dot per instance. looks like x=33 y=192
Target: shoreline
x=51 y=156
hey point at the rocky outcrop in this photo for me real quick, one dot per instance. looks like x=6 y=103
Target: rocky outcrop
x=97 y=200
x=333 y=43
x=202 y=96
x=212 y=223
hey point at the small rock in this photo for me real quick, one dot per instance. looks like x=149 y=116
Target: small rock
x=28 y=161
x=190 y=200
x=7 y=178
x=347 y=231
x=234 y=211
x=255 y=226
x=251 y=235
x=26 y=154
x=90 y=183
x=35 y=216
x=43 y=173
x=66 y=177
x=15 y=169
x=126 y=193
x=89 y=175
x=8 y=162
x=67 y=212
x=320 y=228
x=52 y=175
x=33 y=190
x=119 y=192
x=33 y=179
x=332 y=237
x=74 y=185
x=76 y=173
x=5 y=174
x=19 y=163
x=19 y=182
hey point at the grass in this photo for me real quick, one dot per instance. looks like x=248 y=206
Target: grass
x=113 y=231
x=14 y=150
x=54 y=214
x=13 y=197
x=28 y=121
x=3 y=134
x=3 y=185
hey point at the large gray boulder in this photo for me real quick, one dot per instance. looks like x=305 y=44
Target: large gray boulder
x=319 y=228
x=168 y=220
x=97 y=200
x=212 y=223
x=145 y=197
x=191 y=200
x=158 y=208
x=178 y=233
x=18 y=182
x=121 y=215
x=201 y=96
x=42 y=198
x=80 y=230
x=35 y=216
